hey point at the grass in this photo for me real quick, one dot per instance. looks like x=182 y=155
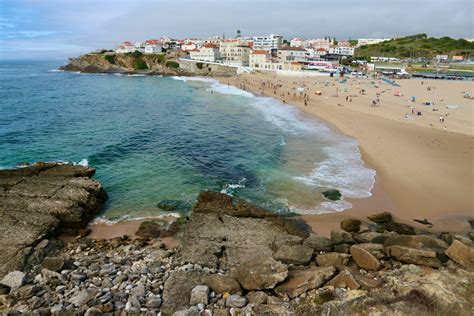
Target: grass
x=419 y=45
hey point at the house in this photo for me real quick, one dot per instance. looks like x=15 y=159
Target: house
x=298 y=42
x=325 y=43
x=344 y=49
x=268 y=43
x=258 y=58
x=209 y=52
x=316 y=53
x=188 y=46
x=234 y=52
x=289 y=54
x=152 y=46
x=125 y=47
x=370 y=41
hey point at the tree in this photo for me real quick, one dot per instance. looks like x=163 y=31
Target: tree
x=239 y=34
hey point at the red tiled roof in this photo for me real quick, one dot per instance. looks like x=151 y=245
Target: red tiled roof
x=259 y=52
x=210 y=45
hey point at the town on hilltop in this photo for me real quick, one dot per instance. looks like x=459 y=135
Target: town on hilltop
x=274 y=53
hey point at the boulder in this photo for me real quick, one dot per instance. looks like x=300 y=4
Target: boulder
x=177 y=290
x=257 y=297
x=342 y=248
x=344 y=280
x=41 y=200
x=81 y=298
x=415 y=241
x=351 y=225
x=53 y=263
x=301 y=281
x=377 y=250
x=339 y=237
x=14 y=279
x=260 y=273
x=297 y=255
x=415 y=256
x=235 y=301
x=199 y=295
x=318 y=243
x=370 y=237
x=150 y=229
x=400 y=228
x=384 y=217
x=364 y=259
x=286 y=240
x=462 y=254
x=222 y=284
x=332 y=259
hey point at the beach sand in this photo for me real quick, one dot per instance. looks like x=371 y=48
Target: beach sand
x=424 y=166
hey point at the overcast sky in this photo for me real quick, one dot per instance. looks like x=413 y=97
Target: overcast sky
x=62 y=28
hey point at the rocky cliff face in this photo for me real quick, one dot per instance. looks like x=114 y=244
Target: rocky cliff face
x=155 y=65
x=38 y=201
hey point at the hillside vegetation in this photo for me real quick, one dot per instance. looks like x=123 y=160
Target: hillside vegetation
x=416 y=46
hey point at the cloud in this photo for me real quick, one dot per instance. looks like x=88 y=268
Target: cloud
x=79 y=25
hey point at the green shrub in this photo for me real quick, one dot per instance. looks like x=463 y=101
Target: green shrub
x=172 y=64
x=199 y=65
x=110 y=59
x=139 y=64
x=161 y=58
x=137 y=54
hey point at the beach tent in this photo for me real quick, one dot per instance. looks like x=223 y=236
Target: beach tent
x=429 y=103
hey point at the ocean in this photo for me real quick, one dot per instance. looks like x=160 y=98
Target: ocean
x=168 y=138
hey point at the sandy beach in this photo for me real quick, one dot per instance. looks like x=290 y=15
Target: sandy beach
x=424 y=166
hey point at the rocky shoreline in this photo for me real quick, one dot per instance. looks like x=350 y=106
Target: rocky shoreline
x=231 y=258
x=154 y=64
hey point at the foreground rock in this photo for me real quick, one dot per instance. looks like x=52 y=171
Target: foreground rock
x=38 y=201
x=229 y=263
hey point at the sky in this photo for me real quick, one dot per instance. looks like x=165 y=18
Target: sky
x=57 y=29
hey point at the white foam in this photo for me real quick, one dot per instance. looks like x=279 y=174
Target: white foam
x=105 y=221
x=282 y=142
x=343 y=170
x=56 y=70
x=136 y=75
x=230 y=188
x=84 y=162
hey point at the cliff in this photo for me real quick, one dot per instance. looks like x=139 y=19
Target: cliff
x=148 y=64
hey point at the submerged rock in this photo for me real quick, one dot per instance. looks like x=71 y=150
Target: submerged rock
x=333 y=195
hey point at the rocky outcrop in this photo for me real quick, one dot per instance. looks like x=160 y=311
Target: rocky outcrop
x=38 y=201
x=228 y=264
x=112 y=63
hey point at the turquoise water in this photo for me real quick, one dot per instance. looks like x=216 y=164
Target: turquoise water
x=154 y=138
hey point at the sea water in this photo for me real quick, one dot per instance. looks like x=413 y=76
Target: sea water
x=160 y=138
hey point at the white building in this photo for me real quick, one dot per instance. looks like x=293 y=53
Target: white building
x=208 y=52
x=125 y=47
x=325 y=43
x=152 y=46
x=290 y=54
x=370 y=41
x=342 y=50
x=234 y=52
x=298 y=42
x=188 y=46
x=316 y=53
x=267 y=43
x=258 y=58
